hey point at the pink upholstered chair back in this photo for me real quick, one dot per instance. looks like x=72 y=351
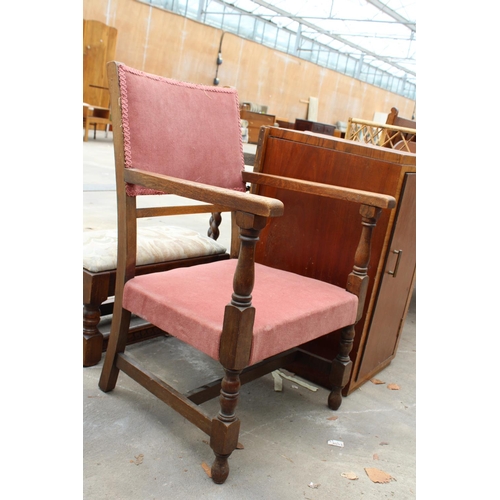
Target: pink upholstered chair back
x=180 y=130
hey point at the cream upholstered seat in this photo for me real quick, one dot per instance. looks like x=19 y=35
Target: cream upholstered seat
x=154 y=244
x=185 y=139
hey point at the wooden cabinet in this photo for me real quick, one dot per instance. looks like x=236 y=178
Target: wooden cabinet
x=99 y=45
x=255 y=121
x=395 y=288
x=323 y=246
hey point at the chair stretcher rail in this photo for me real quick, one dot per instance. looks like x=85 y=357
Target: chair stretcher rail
x=166 y=393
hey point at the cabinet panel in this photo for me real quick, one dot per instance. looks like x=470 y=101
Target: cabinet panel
x=99 y=46
x=395 y=288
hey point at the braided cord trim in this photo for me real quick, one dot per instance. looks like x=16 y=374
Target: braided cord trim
x=207 y=88
x=125 y=122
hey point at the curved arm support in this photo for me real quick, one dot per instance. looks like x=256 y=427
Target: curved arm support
x=215 y=221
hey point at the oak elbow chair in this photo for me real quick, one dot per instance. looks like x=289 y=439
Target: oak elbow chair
x=185 y=139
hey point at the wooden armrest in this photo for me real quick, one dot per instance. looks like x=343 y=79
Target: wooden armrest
x=233 y=200
x=327 y=190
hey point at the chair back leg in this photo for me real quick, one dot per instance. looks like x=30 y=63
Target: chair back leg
x=116 y=344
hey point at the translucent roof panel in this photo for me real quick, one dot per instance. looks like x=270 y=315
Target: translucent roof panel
x=371 y=40
x=384 y=31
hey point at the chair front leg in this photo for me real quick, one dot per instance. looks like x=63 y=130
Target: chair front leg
x=341 y=368
x=235 y=345
x=226 y=427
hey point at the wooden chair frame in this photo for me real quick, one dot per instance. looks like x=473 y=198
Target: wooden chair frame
x=393 y=118
x=250 y=214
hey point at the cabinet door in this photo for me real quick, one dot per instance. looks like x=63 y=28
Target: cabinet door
x=396 y=286
x=99 y=46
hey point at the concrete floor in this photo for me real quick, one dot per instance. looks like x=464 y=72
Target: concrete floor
x=136 y=447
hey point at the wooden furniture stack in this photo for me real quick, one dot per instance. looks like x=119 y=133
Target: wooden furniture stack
x=321 y=239
x=255 y=121
x=317 y=127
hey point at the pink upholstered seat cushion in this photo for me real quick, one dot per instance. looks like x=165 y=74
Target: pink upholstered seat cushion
x=162 y=134
x=290 y=309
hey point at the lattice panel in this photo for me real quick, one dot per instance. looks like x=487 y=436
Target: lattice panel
x=379 y=134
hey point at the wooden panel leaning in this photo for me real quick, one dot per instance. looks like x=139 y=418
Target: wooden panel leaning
x=248 y=316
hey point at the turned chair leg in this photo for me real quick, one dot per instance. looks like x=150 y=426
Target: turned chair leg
x=95 y=292
x=92 y=337
x=226 y=427
x=116 y=344
x=341 y=368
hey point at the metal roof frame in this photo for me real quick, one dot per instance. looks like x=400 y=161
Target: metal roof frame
x=371 y=40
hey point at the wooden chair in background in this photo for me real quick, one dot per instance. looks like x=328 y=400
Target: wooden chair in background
x=94 y=116
x=248 y=316
x=403 y=142
x=393 y=118
x=160 y=248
